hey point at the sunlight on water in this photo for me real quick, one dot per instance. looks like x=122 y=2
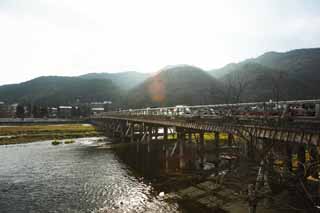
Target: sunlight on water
x=40 y=177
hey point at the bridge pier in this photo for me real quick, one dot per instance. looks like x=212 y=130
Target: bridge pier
x=201 y=148
x=149 y=137
x=217 y=144
x=181 y=141
x=122 y=129
x=301 y=153
x=250 y=148
x=230 y=139
x=189 y=137
x=317 y=110
x=131 y=132
x=288 y=156
x=165 y=133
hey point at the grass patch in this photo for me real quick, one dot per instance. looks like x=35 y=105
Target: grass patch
x=69 y=141
x=31 y=133
x=36 y=129
x=55 y=142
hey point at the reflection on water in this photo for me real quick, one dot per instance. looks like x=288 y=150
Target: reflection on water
x=39 y=177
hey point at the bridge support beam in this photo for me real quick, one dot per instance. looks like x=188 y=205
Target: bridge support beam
x=230 y=139
x=132 y=132
x=189 y=137
x=181 y=141
x=149 y=129
x=301 y=154
x=317 y=111
x=155 y=130
x=122 y=130
x=201 y=148
x=167 y=155
x=250 y=148
x=217 y=144
x=289 y=156
x=165 y=134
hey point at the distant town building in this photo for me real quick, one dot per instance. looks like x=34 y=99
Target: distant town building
x=7 y=110
x=3 y=110
x=98 y=107
x=97 y=110
x=64 y=111
x=52 y=112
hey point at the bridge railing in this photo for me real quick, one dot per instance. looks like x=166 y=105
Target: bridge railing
x=303 y=109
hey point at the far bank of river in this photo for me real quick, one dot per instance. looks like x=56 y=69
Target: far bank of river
x=31 y=133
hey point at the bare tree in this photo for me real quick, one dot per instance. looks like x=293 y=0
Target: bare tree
x=236 y=85
x=277 y=84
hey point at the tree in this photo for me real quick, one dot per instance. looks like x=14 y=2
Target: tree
x=36 y=111
x=20 y=111
x=44 y=112
x=75 y=112
x=277 y=83
x=235 y=86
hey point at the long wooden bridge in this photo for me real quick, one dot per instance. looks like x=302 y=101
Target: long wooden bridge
x=290 y=128
x=295 y=125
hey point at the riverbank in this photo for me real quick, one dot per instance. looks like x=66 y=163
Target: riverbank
x=31 y=133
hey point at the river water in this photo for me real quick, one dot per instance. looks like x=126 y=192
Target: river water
x=79 y=177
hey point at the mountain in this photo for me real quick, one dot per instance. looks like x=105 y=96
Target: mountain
x=125 y=80
x=218 y=73
x=273 y=75
x=176 y=85
x=300 y=60
x=55 y=90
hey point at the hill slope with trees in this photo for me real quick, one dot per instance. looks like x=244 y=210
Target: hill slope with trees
x=290 y=75
x=124 y=80
x=176 y=85
x=54 y=90
x=286 y=76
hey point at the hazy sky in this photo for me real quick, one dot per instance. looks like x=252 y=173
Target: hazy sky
x=73 y=37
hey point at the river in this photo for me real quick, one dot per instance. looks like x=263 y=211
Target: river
x=79 y=177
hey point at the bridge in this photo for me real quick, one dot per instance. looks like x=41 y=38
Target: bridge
x=261 y=125
x=285 y=131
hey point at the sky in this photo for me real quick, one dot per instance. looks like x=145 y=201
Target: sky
x=74 y=37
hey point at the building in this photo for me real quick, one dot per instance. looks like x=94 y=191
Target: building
x=98 y=107
x=52 y=112
x=97 y=110
x=7 y=110
x=3 y=110
x=64 y=111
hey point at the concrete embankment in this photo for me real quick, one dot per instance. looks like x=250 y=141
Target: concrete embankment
x=21 y=121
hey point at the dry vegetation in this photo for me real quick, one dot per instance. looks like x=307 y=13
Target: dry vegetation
x=31 y=133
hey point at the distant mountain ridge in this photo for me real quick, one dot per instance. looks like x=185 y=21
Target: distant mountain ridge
x=297 y=72
x=55 y=90
x=125 y=80
x=290 y=75
x=294 y=60
x=176 y=85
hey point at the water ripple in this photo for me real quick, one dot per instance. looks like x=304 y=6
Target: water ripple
x=39 y=177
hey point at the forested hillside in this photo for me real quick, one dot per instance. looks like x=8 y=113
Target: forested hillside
x=176 y=85
x=278 y=76
x=53 y=90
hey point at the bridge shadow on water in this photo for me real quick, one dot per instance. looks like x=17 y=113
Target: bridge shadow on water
x=207 y=180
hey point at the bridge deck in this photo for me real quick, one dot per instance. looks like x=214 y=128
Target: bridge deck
x=287 y=131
